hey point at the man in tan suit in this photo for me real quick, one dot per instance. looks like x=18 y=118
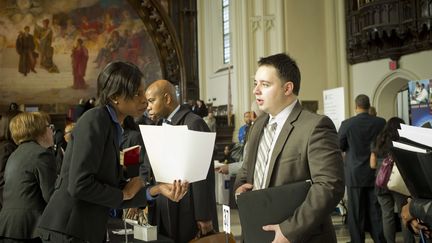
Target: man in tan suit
x=302 y=146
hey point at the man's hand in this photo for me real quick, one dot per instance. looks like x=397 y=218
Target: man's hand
x=405 y=213
x=244 y=188
x=224 y=169
x=205 y=227
x=131 y=213
x=279 y=237
x=175 y=192
x=417 y=225
x=408 y=220
x=132 y=188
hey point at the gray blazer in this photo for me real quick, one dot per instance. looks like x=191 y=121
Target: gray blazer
x=306 y=148
x=29 y=182
x=88 y=184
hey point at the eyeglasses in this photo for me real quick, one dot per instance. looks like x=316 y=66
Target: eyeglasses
x=51 y=126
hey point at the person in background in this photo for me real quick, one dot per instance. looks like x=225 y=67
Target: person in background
x=372 y=111
x=29 y=177
x=60 y=147
x=200 y=108
x=355 y=137
x=68 y=133
x=13 y=106
x=88 y=184
x=247 y=118
x=89 y=104
x=196 y=212
x=388 y=200
x=78 y=110
x=298 y=145
x=227 y=156
x=226 y=160
x=237 y=153
x=210 y=121
x=7 y=146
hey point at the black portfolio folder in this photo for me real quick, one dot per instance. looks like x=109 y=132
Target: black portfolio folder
x=416 y=171
x=269 y=206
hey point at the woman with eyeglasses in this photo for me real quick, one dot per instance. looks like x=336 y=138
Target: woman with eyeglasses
x=30 y=175
x=88 y=184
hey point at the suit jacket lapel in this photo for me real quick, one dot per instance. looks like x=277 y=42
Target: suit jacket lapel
x=282 y=140
x=257 y=130
x=179 y=115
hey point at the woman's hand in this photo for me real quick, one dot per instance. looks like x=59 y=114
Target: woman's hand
x=175 y=191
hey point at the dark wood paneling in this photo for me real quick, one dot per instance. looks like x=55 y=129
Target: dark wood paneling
x=387 y=28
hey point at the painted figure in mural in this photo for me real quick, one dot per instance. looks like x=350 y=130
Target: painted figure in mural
x=44 y=37
x=25 y=47
x=108 y=23
x=107 y=53
x=79 y=64
x=89 y=30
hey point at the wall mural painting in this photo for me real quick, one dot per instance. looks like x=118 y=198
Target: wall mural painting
x=52 y=51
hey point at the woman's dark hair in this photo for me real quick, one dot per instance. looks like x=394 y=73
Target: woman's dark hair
x=5 y=133
x=387 y=135
x=116 y=79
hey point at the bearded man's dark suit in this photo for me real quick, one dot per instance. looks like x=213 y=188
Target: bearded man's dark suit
x=178 y=221
x=306 y=148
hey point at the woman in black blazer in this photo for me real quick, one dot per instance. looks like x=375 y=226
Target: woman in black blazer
x=88 y=184
x=29 y=177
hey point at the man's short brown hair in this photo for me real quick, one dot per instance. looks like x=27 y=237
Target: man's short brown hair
x=362 y=101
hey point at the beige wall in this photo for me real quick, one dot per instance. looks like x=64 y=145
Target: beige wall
x=376 y=80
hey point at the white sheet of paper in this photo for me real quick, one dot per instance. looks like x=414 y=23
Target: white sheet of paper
x=417 y=134
x=409 y=147
x=178 y=153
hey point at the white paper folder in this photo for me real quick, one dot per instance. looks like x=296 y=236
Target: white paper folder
x=178 y=153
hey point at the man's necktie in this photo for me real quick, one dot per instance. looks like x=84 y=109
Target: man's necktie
x=263 y=155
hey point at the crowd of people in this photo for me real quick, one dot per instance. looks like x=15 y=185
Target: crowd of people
x=61 y=188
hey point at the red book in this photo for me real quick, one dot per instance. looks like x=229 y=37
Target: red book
x=130 y=156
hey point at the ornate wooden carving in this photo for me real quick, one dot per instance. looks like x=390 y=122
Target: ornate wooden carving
x=387 y=28
x=163 y=34
x=183 y=14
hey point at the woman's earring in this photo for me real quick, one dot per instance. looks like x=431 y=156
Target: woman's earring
x=116 y=102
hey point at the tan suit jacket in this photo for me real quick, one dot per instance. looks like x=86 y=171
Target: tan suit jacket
x=306 y=148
